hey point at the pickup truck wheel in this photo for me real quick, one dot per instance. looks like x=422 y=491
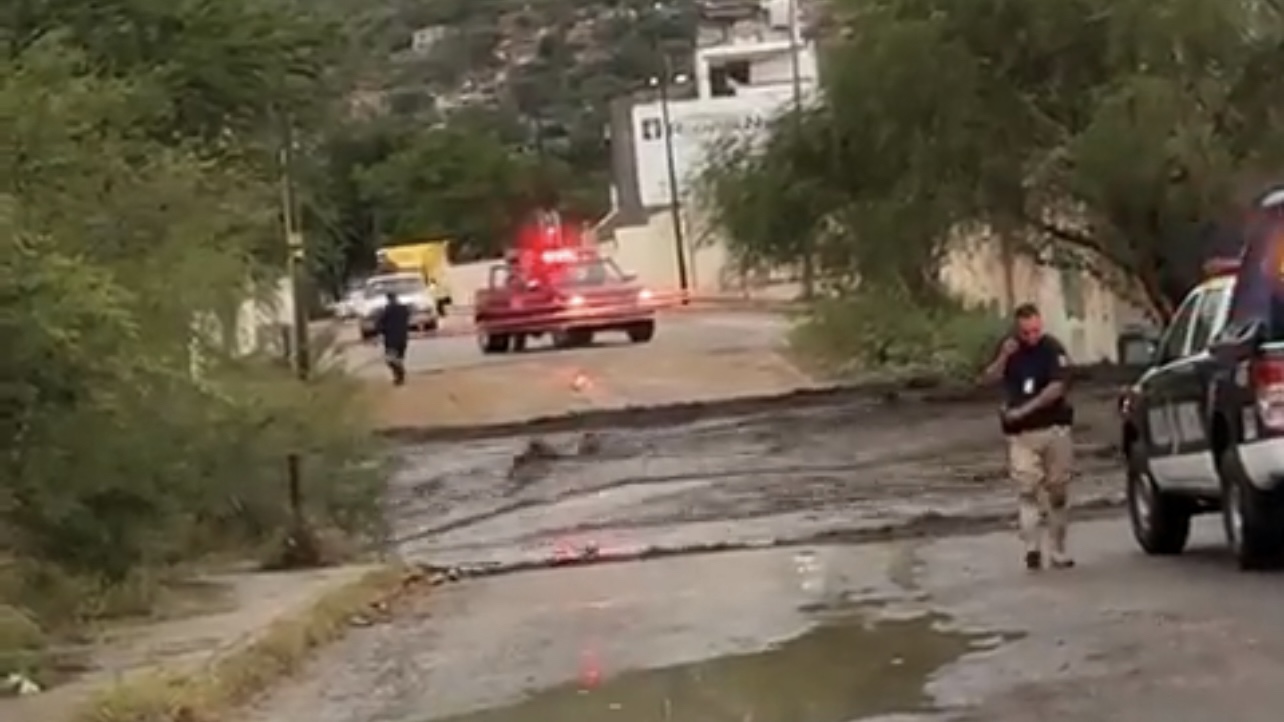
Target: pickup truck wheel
x=1160 y=522
x=493 y=342
x=1252 y=518
x=642 y=332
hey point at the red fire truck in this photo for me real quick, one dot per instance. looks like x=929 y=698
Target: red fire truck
x=554 y=284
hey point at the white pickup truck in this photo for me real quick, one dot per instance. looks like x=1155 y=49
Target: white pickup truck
x=410 y=289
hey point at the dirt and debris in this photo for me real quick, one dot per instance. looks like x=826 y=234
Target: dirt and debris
x=836 y=466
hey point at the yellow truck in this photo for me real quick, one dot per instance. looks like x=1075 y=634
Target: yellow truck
x=428 y=259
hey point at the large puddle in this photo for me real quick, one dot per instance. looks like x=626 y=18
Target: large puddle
x=837 y=672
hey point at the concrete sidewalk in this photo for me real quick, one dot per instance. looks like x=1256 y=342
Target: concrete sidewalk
x=254 y=602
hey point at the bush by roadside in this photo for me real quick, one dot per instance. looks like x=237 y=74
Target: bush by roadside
x=134 y=446
x=880 y=333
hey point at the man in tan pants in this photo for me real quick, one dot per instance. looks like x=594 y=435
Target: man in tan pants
x=1036 y=419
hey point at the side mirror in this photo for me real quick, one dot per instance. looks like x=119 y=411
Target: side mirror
x=1137 y=349
x=630 y=277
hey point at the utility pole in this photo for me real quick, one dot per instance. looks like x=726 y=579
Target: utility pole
x=302 y=355
x=301 y=549
x=795 y=67
x=675 y=202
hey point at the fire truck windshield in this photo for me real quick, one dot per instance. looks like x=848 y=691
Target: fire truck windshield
x=588 y=272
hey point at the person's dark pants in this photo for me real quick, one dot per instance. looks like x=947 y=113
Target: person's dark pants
x=395 y=357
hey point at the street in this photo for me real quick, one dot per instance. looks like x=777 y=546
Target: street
x=931 y=630
x=848 y=558
x=694 y=357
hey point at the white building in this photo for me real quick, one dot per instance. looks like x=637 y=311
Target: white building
x=747 y=45
x=752 y=62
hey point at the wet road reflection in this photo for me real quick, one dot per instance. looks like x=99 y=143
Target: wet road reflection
x=837 y=672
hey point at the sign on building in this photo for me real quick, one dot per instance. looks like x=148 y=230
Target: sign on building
x=698 y=126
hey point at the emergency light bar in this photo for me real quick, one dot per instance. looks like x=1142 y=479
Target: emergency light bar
x=560 y=255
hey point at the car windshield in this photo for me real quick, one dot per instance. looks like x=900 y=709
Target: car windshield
x=400 y=285
x=595 y=272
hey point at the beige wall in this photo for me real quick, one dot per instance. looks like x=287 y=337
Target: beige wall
x=1079 y=309
x=259 y=321
x=649 y=251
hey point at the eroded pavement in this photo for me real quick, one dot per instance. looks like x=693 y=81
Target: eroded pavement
x=929 y=617
x=853 y=469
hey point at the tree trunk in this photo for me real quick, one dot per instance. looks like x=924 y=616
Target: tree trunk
x=1157 y=301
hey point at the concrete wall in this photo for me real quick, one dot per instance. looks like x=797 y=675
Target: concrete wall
x=1078 y=308
x=649 y=251
x=261 y=322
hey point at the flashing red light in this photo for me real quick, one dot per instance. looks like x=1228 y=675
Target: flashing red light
x=559 y=255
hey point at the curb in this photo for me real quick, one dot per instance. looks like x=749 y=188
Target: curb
x=235 y=676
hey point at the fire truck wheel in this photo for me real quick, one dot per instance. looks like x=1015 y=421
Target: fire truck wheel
x=519 y=342
x=580 y=337
x=493 y=343
x=642 y=332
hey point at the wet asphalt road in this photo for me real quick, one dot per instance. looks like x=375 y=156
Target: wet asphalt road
x=940 y=629
x=695 y=356
x=712 y=332
x=929 y=617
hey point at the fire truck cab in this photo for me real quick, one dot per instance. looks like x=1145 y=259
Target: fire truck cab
x=553 y=284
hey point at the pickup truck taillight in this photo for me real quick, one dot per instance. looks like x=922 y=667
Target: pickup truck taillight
x=1268 y=383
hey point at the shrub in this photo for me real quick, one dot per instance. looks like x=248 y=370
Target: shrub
x=880 y=332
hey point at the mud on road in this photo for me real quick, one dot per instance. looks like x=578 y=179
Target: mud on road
x=747 y=634
x=797 y=469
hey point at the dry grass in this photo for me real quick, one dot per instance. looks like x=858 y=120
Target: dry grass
x=211 y=693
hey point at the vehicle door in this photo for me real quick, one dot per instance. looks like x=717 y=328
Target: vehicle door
x=1160 y=389
x=1190 y=383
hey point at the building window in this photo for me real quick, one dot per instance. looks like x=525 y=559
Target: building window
x=724 y=78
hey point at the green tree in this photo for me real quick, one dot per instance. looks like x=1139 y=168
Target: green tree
x=1110 y=129
x=457 y=182
x=131 y=435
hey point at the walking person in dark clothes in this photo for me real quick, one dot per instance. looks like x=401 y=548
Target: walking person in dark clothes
x=394 y=327
x=1036 y=418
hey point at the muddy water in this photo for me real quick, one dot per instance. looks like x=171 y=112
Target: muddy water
x=740 y=480
x=840 y=671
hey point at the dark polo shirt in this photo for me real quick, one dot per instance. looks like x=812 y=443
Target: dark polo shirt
x=1028 y=372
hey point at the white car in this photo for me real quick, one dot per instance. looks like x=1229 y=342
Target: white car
x=347 y=307
x=410 y=289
